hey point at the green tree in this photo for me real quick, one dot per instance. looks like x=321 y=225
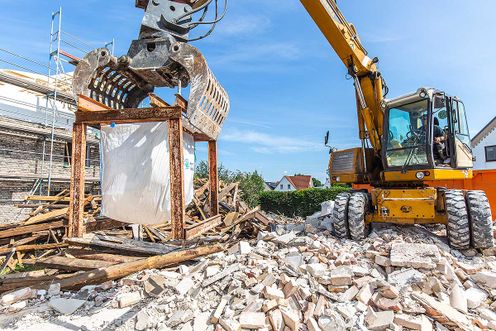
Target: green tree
x=251 y=184
x=316 y=182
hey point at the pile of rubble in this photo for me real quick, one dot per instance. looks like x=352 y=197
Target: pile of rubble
x=398 y=278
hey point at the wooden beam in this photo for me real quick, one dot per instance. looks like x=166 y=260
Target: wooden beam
x=176 y=166
x=123 y=245
x=100 y=225
x=76 y=206
x=213 y=177
x=117 y=271
x=90 y=105
x=156 y=101
x=86 y=254
x=20 y=230
x=51 y=198
x=129 y=115
x=197 y=230
x=31 y=248
x=71 y=264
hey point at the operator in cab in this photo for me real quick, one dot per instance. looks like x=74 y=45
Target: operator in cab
x=439 y=145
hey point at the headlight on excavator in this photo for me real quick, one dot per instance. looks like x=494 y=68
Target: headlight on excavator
x=420 y=175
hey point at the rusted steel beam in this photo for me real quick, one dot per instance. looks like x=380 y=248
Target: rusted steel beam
x=197 y=230
x=129 y=115
x=214 y=178
x=176 y=166
x=76 y=205
x=88 y=104
x=156 y=101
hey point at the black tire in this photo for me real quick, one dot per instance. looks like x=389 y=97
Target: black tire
x=357 y=209
x=458 y=222
x=481 y=221
x=340 y=215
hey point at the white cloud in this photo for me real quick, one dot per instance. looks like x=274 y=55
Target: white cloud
x=269 y=143
x=243 y=25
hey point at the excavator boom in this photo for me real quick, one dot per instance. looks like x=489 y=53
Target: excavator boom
x=344 y=39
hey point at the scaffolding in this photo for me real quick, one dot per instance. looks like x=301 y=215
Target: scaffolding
x=65 y=50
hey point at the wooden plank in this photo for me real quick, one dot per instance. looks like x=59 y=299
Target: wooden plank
x=200 y=228
x=102 y=256
x=53 y=214
x=9 y=284
x=129 y=115
x=123 y=244
x=213 y=178
x=26 y=229
x=71 y=264
x=156 y=101
x=76 y=208
x=100 y=225
x=117 y=271
x=88 y=104
x=176 y=166
x=30 y=248
x=50 y=198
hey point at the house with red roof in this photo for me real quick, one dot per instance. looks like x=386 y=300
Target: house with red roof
x=294 y=183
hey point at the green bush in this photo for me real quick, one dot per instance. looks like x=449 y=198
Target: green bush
x=298 y=203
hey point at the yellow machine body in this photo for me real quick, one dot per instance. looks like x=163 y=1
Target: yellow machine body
x=407 y=206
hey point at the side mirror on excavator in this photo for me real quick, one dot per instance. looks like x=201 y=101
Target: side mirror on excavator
x=326 y=139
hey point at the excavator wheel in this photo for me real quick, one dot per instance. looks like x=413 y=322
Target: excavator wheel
x=340 y=215
x=479 y=212
x=357 y=209
x=458 y=222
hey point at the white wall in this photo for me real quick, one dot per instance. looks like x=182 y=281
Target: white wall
x=22 y=104
x=480 y=152
x=286 y=186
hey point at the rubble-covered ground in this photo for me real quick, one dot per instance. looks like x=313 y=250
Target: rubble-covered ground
x=398 y=278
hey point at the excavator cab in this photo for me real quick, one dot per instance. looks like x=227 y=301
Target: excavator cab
x=426 y=130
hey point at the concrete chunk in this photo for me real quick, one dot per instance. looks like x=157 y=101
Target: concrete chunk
x=230 y=325
x=184 y=285
x=291 y=319
x=486 y=278
x=19 y=295
x=414 y=255
x=421 y=322
x=475 y=297
x=252 y=320
x=65 y=306
x=128 y=299
x=377 y=321
x=341 y=276
x=276 y=320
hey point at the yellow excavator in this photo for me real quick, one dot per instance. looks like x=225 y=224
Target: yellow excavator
x=405 y=141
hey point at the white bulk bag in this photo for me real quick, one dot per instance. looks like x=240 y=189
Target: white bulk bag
x=135 y=172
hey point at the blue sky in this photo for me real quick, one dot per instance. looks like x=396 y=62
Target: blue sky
x=287 y=87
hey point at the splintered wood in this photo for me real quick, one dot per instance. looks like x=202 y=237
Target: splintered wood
x=111 y=249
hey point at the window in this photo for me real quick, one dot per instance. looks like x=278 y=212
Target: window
x=282 y=187
x=406 y=145
x=491 y=153
x=289 y=187
x=67 y=154
x=88 y=156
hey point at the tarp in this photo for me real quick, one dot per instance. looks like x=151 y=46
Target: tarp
x=135 y=172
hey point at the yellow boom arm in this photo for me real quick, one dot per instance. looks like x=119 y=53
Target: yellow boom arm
x=368 y=82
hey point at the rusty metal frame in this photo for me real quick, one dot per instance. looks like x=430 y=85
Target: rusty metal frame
x=91 y=112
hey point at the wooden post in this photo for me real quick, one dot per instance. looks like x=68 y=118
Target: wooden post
x=176 y=165
x=214 y=178
x=76 y=207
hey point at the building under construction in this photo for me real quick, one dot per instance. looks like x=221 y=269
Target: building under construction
x=36 y=116
x=33 y=157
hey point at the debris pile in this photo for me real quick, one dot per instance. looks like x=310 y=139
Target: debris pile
x=399 y=277
x=34 y=241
